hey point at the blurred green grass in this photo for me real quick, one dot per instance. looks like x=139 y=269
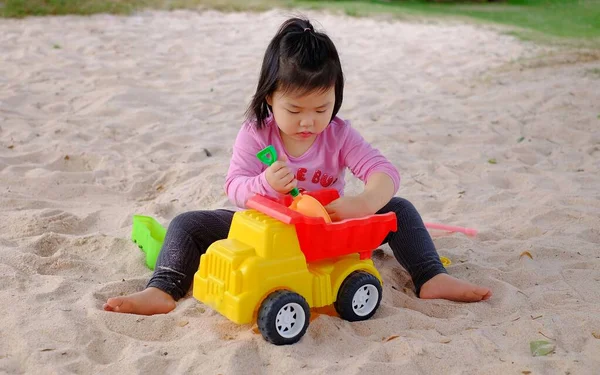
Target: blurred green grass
x=574 y=19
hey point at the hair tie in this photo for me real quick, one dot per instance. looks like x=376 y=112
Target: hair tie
x=307 y=29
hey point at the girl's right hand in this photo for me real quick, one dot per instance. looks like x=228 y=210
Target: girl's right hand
x=280 y=177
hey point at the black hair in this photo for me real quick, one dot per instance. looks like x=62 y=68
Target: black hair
x=298 y=59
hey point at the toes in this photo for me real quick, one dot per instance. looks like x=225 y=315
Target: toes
x=478 y=294
x=113 y=304
x=123 y=306
x=488 y=295
x=484 y=293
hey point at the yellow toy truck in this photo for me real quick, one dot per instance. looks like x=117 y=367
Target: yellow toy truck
x=276 y=264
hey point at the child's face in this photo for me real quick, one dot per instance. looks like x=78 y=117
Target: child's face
x=302 y=117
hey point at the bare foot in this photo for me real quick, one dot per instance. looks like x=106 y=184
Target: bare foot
x=444 y=286
x=149 y=301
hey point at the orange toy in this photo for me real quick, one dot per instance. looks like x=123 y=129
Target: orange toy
x=305 y=204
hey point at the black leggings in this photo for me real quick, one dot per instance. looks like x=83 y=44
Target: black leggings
x=190 y=234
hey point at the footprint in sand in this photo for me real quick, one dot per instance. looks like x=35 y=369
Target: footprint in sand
x=456 y=241
x=66 y=266
x=74 y=163
x=553 y=220
x=53 y=220
x=593 y=151
x=591 y=235
x=10 y=277
x=157 y=359
x=51 y=289
x=103 y=351
x=526 y=155
x=48 y=244
x=499 y=180
x=148 y=186
x=502 y=196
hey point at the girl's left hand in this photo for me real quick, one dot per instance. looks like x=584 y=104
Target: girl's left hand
x=348 y=208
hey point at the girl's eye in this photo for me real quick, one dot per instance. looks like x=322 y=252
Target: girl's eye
x=292 y=112
x=323 y=111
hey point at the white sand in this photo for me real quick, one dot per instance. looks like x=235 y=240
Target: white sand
x=134 y=101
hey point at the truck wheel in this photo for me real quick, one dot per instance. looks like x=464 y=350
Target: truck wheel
x=283 y=317
x=359 y=296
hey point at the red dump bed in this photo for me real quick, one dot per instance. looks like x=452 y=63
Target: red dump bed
x=319 y=240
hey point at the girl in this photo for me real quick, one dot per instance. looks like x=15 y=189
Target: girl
x=299 y=94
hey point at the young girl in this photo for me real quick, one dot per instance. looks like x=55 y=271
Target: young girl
x=299 y=94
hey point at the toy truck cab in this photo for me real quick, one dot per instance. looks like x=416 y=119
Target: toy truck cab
x=276 y=264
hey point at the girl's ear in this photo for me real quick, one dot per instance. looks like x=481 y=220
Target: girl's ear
x=269 y=100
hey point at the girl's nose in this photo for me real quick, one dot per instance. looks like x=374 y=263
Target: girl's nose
x=307 y=121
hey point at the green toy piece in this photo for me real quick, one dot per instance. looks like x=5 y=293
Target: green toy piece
x=149 y=235
x=268 y=155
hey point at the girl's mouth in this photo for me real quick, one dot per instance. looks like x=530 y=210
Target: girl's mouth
x=305 y=134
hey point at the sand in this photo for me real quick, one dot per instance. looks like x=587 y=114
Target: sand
x=105 y=117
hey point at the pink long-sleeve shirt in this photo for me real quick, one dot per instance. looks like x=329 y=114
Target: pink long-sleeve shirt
x=338 y=147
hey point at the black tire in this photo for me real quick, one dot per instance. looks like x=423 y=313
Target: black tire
x=274 y=309
x=366 y=288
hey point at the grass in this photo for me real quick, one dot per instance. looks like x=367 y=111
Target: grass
x=24 y=8
x=566 y=18
x=594 y=72
x=574 y=19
